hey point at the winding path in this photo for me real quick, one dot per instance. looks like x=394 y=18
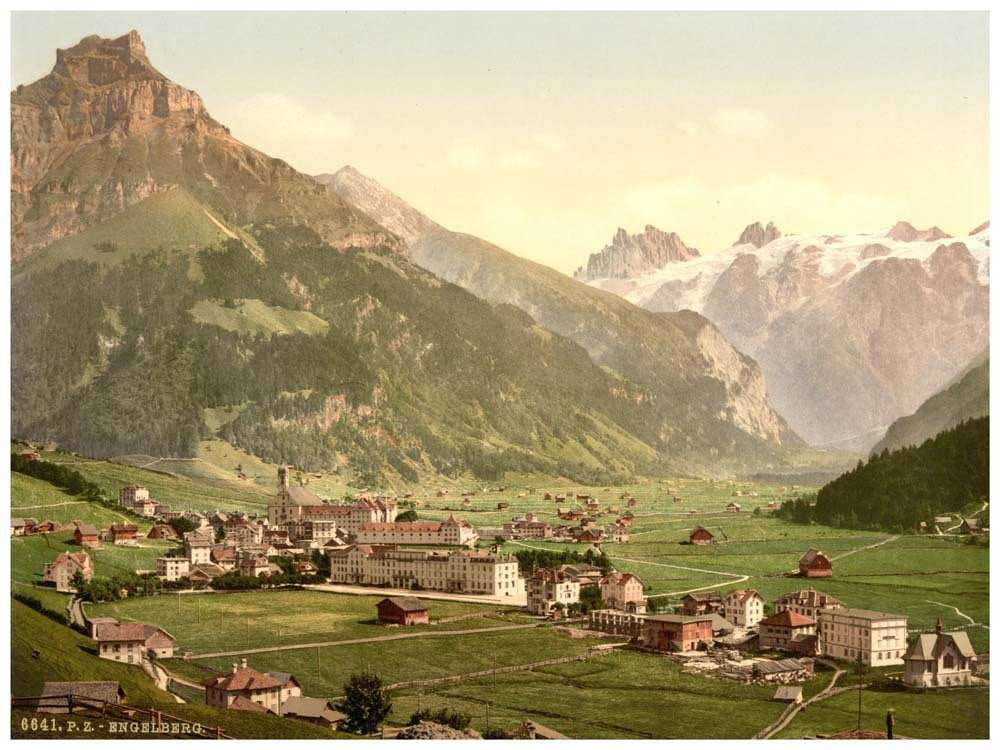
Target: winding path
x=825 y=693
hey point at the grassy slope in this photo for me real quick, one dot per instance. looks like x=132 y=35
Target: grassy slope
x=30 y=553
x=67 y=655
x=253 y=317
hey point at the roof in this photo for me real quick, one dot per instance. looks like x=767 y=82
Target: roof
x=810 y=598
x=972 y=523
x=696 y=529
x=929 y=646
x=124 y=527
x=105 y=690
x=720 y=624
x=403 y=526
x=301 y=495
x=744 y=594
x=788 y=693
x=406 y=603
x=781 y=665
x=863 y=614
x=704 y=596
x=245 y=704
x=243 y=679
x=811 y=555
x=789 y=619
x=80 y=558
x=122 y=631
x=87 y=529
x=283 y=677
x=311 y=708
x=679 y=619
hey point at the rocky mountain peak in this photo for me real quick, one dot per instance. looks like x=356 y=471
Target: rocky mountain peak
x=630 y=255
x=757 y=235
x=904 y=231
x=99 y=62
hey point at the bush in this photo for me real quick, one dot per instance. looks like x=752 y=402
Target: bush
x=445 y=716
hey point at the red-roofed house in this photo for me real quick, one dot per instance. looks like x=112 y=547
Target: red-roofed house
x=701 y=535
x=129 y=641
x=814 y=564
x=623 y=591
x=162 y=531
x=246 y=684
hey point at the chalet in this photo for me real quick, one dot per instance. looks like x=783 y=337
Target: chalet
x=21 y=526
x=626 y=520
x=619 y=533
x=548 y=495
x=55 y=696
x=583 y=497
x=402 y=610
x=86 y=535
x=246 y=685
x=571 y=515
x=973 y=526
x=503 y=506
x=162 y=531
x=744 y=607
x=224 y=557
x=588 y=536
x=773 y=505
x=939 y=659
x=65 y=566
x=701 y=535
x=733 y=508
x=623 y=591
x=560 y=498
x=807 y=602
x=129 y=641
x=788 y=631
x=30 y=455
x=124 y=533
x=46 y=527
x=701 y=603
x=676 y=633
x=466 y=502
x=814 y=564
x=318 y=711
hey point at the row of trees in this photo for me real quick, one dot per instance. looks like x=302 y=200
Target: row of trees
x=532 y=559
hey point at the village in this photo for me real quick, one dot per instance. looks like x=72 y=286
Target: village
x=362 y=546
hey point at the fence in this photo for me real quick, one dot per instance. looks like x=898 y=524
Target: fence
x=70 y=703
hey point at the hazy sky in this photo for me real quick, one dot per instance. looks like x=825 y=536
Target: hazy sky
x=545 y=132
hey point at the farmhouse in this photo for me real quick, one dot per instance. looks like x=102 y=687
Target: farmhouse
x=973 y=526
x=788 y=631
x=65 y=566
x=744 y=607
x=46 y=527
x=473 y=571
x=876 y=638
x=246 y=684
x=939 y=659
x=451 y=532
x=21 y=526
x=129 y=641
x=318 y=711
x=701 y=603
x=670 y=633
x=619 y=533
x=55 y=696
x=30 y=455
x=701 y=535
x=623 y=591
x=86 y=535
x=124 y=533
x=733 y=508
x=162 y=531
x=814 y=564
x=402 y=610
x=806 y=602
x=551 y=586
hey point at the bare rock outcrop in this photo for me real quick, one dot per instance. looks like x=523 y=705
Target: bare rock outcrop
x=633 y=254
x=429 y=730
x=757 y=235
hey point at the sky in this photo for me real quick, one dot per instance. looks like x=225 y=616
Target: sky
x=545 y=132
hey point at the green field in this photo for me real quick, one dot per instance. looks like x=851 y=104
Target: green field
x=205 y=623
x=254 y=317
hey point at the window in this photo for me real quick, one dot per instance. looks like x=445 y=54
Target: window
x=949 y=661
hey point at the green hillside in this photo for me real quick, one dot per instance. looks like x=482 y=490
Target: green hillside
x=968 y=398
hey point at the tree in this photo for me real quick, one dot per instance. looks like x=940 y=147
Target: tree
x=182 y=525
x=407 y=516
x=590 y=599
x=366 y=703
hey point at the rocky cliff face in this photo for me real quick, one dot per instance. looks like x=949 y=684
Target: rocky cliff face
x=105 y=130
x=758 y=236
x=851 y=332
x=630 y=255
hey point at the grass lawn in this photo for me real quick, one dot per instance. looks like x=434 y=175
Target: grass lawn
x=206 y=623
x=30 y=553
x=33 y=498
x=64 y=654
x=946 y=714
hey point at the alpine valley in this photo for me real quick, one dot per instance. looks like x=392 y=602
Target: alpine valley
x=171 y=285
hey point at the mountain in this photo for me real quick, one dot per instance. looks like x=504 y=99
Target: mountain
x=632 y=254
x=851 y=332
x=707 y=401
x=105 y=130
x=757 y=235
x=966 y=399
x=206 y=289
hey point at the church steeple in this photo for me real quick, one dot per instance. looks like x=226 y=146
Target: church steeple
x=283 y=477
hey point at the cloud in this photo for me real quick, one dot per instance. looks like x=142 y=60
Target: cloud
x=467 y=152
x=552 y=141
x=282 y=126
x=741 y=122
x=688 y=127
x=519 y=160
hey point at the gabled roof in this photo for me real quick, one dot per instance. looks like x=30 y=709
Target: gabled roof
x=788 y=619
x=929 y=646
x=311 y=708
x=87 y=529
x=776 y=667
x=245 y=704
x=406 y=603
x=809 y=598
x=810 y=556
x=301 y=495
x=243 y=679
x=620 y=579
x=972 y=523
x=744 y=595
x=122 y=631
x=696 y=529
x=704 y=596
x=285 y=678
x=788 y=693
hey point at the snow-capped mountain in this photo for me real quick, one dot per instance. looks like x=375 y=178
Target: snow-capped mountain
x=852 y=331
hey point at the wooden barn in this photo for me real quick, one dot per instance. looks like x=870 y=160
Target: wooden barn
x=814 y=564
x=402 y=610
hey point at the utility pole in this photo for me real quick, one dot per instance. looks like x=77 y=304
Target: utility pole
x=859 y=689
